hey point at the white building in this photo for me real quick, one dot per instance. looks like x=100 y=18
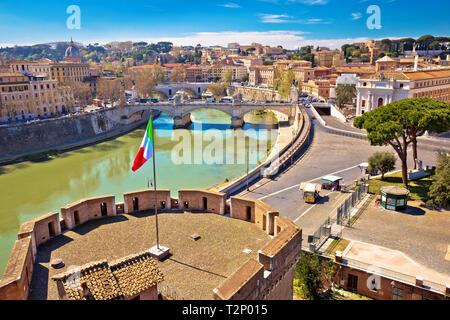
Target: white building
x=380 y=89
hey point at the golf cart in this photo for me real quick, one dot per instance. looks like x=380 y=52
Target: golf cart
x=310 y=192
x=332 y=183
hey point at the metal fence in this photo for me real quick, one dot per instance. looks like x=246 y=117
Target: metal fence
x=341 y=217
x=321 y=234
x=343 y=212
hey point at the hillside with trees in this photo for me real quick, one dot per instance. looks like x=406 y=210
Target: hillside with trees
x=135 y=53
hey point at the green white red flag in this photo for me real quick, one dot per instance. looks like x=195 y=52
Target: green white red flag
x=146 y=149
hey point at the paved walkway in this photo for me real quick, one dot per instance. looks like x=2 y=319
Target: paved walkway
x=422 y=234
x=392 y=260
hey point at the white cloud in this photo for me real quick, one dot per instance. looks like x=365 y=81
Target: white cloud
x=287 y=39
x=275 y=18
x=308 y=2
x=314 y=21
x=283 y=18
x=356 y=16
x=312 y=1
x=230 y=5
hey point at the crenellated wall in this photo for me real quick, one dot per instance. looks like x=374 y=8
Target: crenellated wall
x=16 y=279
x=198 y=199
x=40 y=229
x=88 y=209
x=254 y=280
x=145 y=200
x=271 y=277
x=259 y=212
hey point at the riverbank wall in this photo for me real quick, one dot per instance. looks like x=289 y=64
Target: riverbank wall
x=279 y=159
x=20 y=141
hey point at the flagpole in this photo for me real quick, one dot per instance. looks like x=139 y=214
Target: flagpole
x=154 y=185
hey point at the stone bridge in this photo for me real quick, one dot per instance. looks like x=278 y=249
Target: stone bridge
x=181 y=113
x=169 y=89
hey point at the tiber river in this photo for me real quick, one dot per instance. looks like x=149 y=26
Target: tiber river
x=31 y=189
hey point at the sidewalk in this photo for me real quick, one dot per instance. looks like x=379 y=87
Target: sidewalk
x=336 y=126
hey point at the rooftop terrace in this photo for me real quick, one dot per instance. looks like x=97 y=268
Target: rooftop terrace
x=193 y=269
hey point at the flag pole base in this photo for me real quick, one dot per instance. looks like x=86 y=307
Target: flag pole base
x=159 y=253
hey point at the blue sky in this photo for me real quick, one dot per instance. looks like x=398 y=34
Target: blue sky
x=291 y=23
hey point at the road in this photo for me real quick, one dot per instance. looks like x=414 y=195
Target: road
x=327 y=154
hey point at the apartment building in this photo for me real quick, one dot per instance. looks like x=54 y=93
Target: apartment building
x=261 y=75
x=303 y=74
x=26 y=97
x=325 y=58
x=290 y=64
x=319 y=88
x=218 y=71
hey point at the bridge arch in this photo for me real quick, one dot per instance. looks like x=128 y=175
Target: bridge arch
x=226 y=110
x=182 y=113
x=170 y=89
x=191 y=93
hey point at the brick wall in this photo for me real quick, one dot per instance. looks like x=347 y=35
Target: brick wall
x=195 y=200
x=276 y=261
x=87 y=209
x=386 y=286
x=145 y=200
x=16 y=279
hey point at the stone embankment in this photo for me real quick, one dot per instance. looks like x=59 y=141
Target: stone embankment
x=19 y=141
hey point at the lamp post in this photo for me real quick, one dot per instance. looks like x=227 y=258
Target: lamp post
x=247 y=158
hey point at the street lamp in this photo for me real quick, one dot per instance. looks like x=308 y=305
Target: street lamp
x=247 y=157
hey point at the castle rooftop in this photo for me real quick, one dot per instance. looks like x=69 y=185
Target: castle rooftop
x=193 y=269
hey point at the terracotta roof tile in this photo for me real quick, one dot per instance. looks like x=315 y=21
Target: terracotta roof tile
x=127 y=277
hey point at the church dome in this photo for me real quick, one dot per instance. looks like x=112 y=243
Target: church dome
x=72 y=50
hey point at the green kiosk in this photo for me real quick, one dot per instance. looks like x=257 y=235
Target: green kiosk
x=394 y=198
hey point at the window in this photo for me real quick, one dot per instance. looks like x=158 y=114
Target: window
x=397 y=293
x=352 y=282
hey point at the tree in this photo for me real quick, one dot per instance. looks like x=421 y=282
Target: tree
x=439 y=193
x=399 y=123
x=426 y=114
x=158 y=74
x=145 y=83
x=217 y=89
x=384 y=126
x=345 y=94
x=435 y=45
x=344 y=49
x=387 y=44
x=112 y=91
x=381 y=162
x=425 y=41
x=287 y=80
x=314 y=274
x=177 y=74
x=82 y=92
x=227 y=77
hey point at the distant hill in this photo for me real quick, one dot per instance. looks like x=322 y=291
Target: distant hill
x=54 y=51
x=139 y=51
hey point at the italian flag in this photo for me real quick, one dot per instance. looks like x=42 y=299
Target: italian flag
x=146 y=149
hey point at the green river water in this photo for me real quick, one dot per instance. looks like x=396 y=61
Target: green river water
x=31 y=189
